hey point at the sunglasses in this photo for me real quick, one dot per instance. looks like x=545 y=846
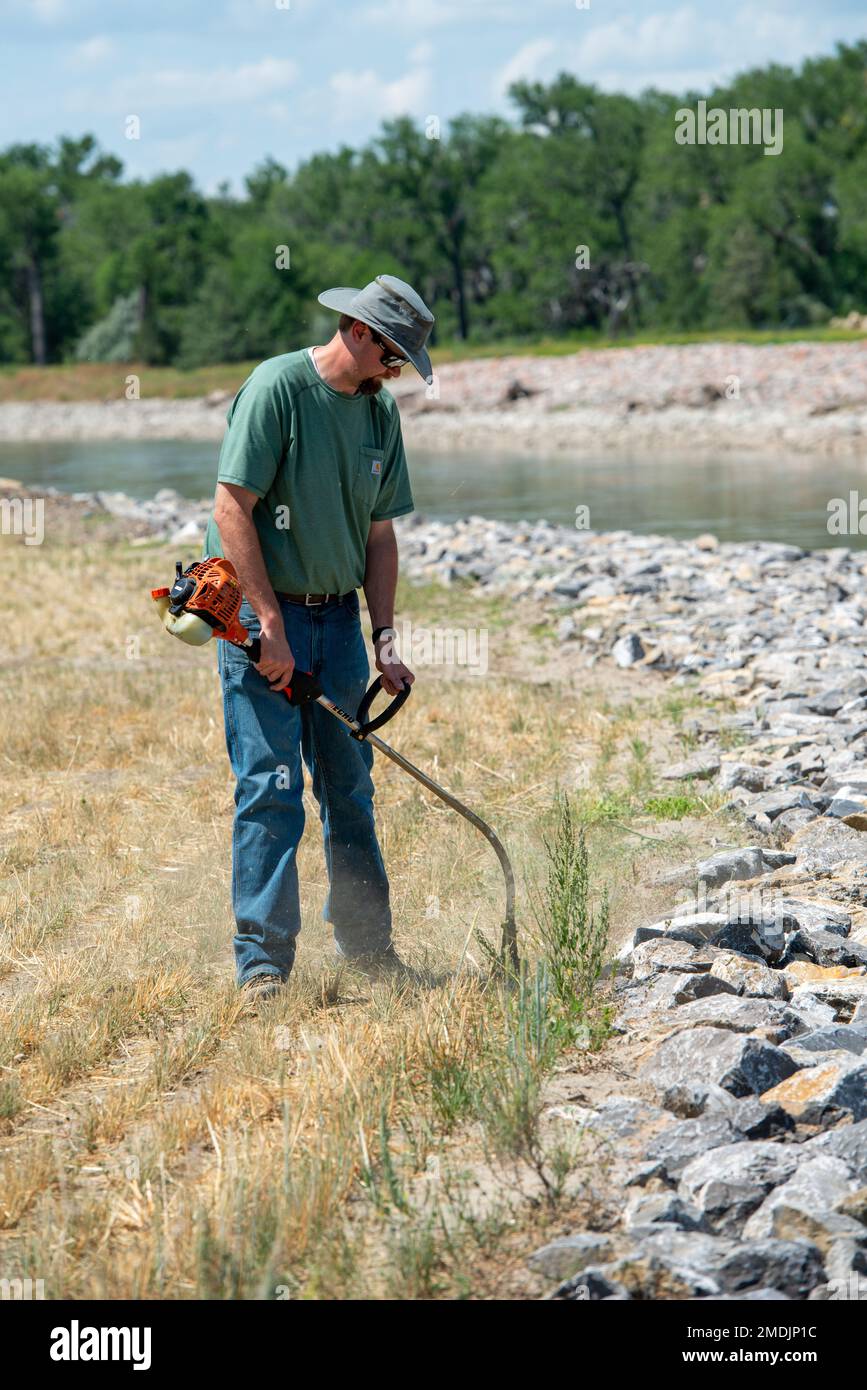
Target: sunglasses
x=388 y=358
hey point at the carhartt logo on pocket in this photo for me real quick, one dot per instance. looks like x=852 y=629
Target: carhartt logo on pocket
x=376 y=466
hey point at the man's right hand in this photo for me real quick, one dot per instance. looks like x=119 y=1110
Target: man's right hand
x=276 y=661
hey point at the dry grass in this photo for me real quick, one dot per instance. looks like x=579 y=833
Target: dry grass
x=106 y=381
x=352 y=1140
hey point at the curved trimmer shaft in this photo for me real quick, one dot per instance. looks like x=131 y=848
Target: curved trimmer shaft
x=510 y=932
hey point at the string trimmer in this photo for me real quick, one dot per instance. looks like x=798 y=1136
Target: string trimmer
x=205 y=601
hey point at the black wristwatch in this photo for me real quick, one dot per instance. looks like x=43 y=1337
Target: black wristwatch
x=378 y=631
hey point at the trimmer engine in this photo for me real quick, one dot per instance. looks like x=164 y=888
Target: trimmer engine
x=203 y=602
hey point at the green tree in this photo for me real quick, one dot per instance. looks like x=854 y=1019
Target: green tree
x=29 y=230
x=247 y=306
x=168 y=259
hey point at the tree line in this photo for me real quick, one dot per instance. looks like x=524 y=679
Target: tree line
x=583 y=212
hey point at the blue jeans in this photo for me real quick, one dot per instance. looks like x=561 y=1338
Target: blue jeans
x=266 y=738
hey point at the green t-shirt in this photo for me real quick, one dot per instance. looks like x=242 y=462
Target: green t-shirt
x=323 y=464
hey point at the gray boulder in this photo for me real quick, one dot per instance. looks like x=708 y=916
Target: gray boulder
x=687 y=934
x=848 y=1142
x=763 y=938
x=679 y=1144
x=824 y=948
x=628 y=651
x=648 y=1275
x=773 y=803
x=809 y=1013
x=560 y=1259
x=703 y=925
x=788 y=1267
x=591 y=1284
x=841 y=995
x=735 y=774
x=689 y=1099
x=748 y=975
x=830 y=702
x=803 y=1206
x=825 y=1093
x=729 y=1182
x=700 y=765
x=740 y=1015
x=825 y=844
x=740 y=1064
x=661 y=1208
x=664 y=992
x=793 y=1267
x=859 y=1017
x=736 y=865
x=661 y=953
x=754 y=1119
x=839 y=1036
x=791 y=822
x=619 y=1117
x=810 y=915
x=845 y=1261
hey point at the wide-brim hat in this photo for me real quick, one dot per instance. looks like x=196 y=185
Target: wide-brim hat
x=392 y=308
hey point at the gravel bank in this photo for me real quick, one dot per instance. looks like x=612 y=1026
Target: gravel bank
x=707 y=397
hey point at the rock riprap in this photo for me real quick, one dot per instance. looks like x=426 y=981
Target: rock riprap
x=746 y=1178
x=751 y=993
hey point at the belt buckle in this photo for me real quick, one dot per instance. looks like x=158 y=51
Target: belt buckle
x=316 y=602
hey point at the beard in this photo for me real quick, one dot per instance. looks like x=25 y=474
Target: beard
x=370 y=386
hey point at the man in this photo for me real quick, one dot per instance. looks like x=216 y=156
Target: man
x=312 y=471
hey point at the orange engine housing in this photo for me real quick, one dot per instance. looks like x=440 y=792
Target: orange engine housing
x=217 y=593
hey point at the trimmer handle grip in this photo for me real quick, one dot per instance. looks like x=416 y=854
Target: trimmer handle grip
x=303 y=685
x=302 y=688
x=388 y=713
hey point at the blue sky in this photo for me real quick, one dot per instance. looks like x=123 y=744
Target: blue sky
x=219 y=84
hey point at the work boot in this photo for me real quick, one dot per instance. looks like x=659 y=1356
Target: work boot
x=260 y=988
x=377 y=965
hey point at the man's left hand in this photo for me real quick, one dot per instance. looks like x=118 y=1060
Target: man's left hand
x=394 y=673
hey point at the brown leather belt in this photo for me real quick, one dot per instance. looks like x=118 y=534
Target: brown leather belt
x=310 y=599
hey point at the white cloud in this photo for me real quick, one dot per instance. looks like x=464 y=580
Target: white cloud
x=366 y=92
x=94 y=50
x=689 y=48
x=178 y=87
x=659 y=38
x=524 y=65
x=186 y=87
x=678 y=50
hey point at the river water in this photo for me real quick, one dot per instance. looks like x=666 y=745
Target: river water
x=737 y=497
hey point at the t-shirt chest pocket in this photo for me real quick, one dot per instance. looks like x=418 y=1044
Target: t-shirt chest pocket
x=368 y=473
